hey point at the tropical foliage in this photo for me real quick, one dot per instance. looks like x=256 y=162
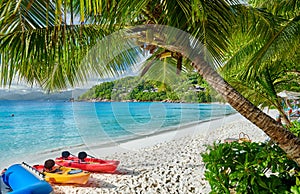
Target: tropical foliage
x=44 y=42
x=267 y=64
x=61 y=33
x=249 y=168
x=295 y=128
x=40 y=44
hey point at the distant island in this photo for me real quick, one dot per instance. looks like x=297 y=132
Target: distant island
x=37 y=94
x=188 y=88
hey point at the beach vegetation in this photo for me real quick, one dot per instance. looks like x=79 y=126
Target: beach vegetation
x=45 y=42
x=295 y=128
x=249 y=168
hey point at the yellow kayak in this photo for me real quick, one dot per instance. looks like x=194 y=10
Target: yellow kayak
x=64 y=175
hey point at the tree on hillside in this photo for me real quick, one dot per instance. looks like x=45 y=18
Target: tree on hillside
x=41 y=44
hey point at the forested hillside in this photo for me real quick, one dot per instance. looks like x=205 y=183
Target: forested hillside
x=188 y=88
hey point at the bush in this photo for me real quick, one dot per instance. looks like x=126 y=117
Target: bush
x=249 y=168
x=296 y=188
x=295 y=129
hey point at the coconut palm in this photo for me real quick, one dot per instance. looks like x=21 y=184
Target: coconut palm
x=43 y=42
x=263 y=89
x=274 y=58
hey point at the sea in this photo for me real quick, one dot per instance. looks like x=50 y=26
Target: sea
x=34 y=127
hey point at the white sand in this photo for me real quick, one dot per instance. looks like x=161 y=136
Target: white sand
x=165 y=163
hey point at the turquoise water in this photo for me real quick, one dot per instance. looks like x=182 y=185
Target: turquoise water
x=39 y=126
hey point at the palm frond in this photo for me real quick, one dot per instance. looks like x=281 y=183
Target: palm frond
x=211 y=23
x=26 y=15
x=276 y=43
x=282 y=43
x=287 y=9
x=163 y=70
x=50 y=57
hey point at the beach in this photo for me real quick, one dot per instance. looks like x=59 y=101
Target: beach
x=168 y=162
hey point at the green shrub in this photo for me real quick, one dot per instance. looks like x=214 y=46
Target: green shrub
x=248 y=168
x=296 y=188
x=295 y=128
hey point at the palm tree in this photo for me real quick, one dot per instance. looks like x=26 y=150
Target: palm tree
x=275 y=68
x=262 y=91
x=287 y=141
x=42 y=43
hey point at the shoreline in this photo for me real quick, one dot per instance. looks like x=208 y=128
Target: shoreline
x=148 y=163
x=108 y=146
x=163 y=101
x=139 y=136
x=165 y=163
x=126 y=144
x=82 y=142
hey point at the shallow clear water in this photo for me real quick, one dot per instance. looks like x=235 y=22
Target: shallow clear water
x=39 y=126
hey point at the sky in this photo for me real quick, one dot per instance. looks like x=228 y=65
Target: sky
x=19 y=90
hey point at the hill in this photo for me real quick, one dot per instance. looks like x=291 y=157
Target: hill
x=35 y=94
x=188 y=88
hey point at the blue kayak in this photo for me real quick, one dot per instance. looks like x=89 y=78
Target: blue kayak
x=19 y=179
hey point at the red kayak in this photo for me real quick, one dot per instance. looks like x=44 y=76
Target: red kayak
x=86 y=163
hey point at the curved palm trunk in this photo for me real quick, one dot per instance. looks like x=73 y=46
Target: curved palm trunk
x=285 y=139
x=179 y=41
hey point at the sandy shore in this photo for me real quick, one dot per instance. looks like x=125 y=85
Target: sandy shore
x=165 y=163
